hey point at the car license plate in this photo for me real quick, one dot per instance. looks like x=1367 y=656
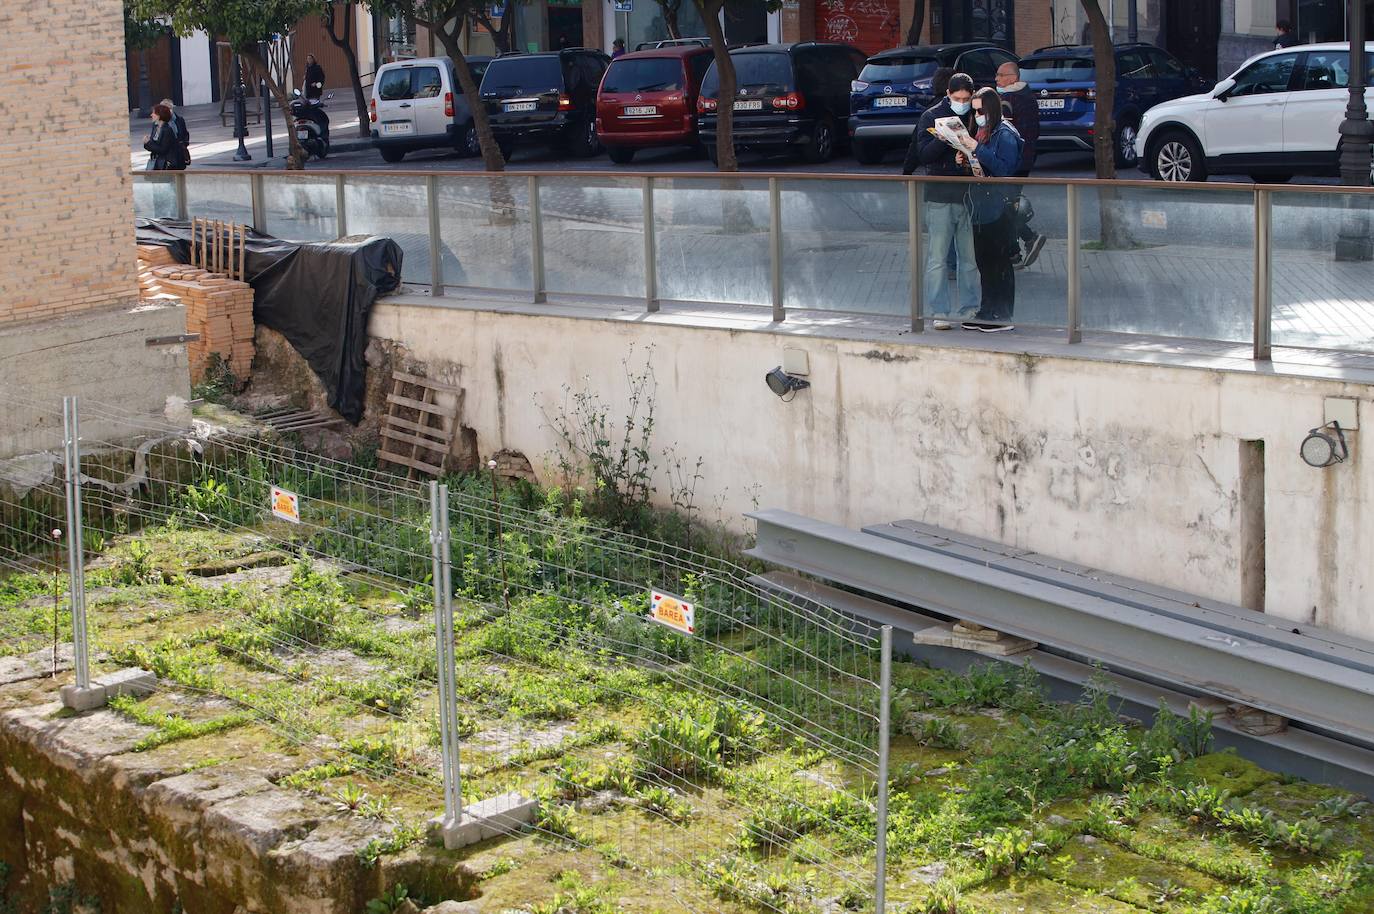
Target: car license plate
x=393 y=127
x=752 y=104
x=1046 y=103
x=641 y=110
x=890 y=101
x=519 y=106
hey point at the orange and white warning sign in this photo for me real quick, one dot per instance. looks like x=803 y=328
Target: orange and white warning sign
x=672 y=611
x=286 y=505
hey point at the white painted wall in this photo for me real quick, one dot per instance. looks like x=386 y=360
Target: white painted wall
x=1127 y=467
x=196 y=86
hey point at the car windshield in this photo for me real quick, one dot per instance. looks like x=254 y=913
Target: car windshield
x=899 y=69
x=772 y=71
x=657 y=74
x=1057 y=70
x=527 y=73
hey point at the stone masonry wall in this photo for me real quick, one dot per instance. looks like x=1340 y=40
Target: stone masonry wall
x=66 y=229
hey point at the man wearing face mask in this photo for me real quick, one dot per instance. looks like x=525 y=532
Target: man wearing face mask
x=947 y=209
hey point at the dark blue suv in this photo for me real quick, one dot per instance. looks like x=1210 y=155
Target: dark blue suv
x=893 y=90
x=1063 y=79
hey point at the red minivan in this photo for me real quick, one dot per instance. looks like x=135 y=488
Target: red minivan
x=649 y=98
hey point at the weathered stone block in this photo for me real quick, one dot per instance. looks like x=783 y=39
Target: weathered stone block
x=124 y=682
x=486 y=819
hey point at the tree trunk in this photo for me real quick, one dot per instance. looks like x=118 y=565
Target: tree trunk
x=295 y=159
x=918 y=22
x=345 y=44
x=500 y=38
x=491 y=153
x=670 y=11
x=1104 y=63
x=725 y=97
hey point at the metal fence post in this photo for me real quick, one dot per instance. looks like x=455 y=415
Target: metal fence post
x=443 y=639
x=436 y=263
x=884 y=726
x=183 y=210
x=536 y=241
x=340 y=212
x=1264 y=278
x=913 y=228
x=1072 y=318
x=76 y=565
x=775 y=248
x=259 y=206
x=650 y=249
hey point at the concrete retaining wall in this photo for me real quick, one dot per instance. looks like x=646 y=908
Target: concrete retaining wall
x=1150 y=471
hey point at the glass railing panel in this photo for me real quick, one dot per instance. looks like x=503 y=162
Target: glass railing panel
x=593 y=232
x=300 y=208
x=484 y=231
x=397 y=208
x=227 y=197
x=712 y=240
x=1323 y=270
x=155 y=196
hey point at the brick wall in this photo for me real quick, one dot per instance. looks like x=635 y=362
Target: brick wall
x=66 y=209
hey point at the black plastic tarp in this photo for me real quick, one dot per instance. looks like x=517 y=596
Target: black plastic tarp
x=318 y=295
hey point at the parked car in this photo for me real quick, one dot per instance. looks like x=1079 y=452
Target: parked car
x=894 y=90
x=418 y=104
x=545 y=98
x=1064 y=80
x=649 y=98
x=1277 y=116
x=788 y=96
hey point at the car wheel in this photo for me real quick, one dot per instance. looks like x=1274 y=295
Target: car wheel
x=821 y=146
x=621 y=155
x=472 y=146
x=1125 y=145
x=393 y=155
x=867 y=152
x=585 y=143
x=1177 y=157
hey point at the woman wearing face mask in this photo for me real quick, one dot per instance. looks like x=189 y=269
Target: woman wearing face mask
x=997 y=146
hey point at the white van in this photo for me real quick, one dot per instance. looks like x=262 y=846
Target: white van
x=418 y=104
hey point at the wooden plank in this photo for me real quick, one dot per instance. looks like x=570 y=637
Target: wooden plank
x=427 y=443
x=423 y=382
x=408 y=425
x=421 y=406
x=408 y=462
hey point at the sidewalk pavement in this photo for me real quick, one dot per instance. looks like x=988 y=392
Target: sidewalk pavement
x=213 y=143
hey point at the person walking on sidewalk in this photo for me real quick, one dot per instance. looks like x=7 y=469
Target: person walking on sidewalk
x=183 y=132
x=164 y=150
x=998 y=148
x=617 y=48
x=314 y=78
x=946 y=208
x=1025 y=117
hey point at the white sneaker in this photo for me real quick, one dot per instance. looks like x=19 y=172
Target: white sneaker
x=938 y=324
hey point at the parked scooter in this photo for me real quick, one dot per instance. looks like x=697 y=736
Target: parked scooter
x=312 y=125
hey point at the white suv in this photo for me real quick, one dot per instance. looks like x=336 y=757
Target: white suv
x=1277 y=116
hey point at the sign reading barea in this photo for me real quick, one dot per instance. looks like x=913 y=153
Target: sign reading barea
x=674 y=612
x=286 y=505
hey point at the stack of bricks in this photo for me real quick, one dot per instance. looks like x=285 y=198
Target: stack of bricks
x=218 y=308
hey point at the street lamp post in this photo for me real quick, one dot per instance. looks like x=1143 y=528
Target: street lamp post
x=240 y=113
x=265 y=99
x=1356 y=135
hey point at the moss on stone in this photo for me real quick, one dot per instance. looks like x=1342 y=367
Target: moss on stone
x=1224 y=770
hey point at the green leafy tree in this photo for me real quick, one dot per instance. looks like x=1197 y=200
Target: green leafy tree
x=243 y=24
x=711 y=12
x=446 y=19
x=339 y=25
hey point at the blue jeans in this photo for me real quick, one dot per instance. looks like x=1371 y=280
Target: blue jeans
x=946 y=223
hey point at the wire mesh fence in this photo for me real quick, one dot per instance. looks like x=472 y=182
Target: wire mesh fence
x=731 y=749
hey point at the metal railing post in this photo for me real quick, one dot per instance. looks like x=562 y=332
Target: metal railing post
x=916 y=269
x=775 y=248
x=1073 y=316
x=259 y=207
x=536 y=242
x=650 y=249
x=183 y=209
x=340 y=213
x=436 y=263
x=76 y=565
x=443 y=640
x=1264 y=278
x=884 y=726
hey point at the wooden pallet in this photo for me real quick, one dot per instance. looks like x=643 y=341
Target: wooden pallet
x=417 y=433
x=219 y=247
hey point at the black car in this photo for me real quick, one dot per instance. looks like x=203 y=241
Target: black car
x=788 y=96
x=894 y=90
x=545 y=98
x=1064 y=81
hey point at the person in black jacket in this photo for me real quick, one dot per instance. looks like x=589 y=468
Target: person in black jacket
x=946 y=209
x=314 y=77
x=183 y=132
x=164 y=152
x=1025 y=117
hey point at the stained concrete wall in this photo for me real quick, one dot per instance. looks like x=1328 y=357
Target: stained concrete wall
x=1133 y=468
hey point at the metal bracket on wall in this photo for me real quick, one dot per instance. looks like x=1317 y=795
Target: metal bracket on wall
x=171 y=340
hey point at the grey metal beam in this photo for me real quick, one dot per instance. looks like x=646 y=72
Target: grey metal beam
x=1320 y=692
